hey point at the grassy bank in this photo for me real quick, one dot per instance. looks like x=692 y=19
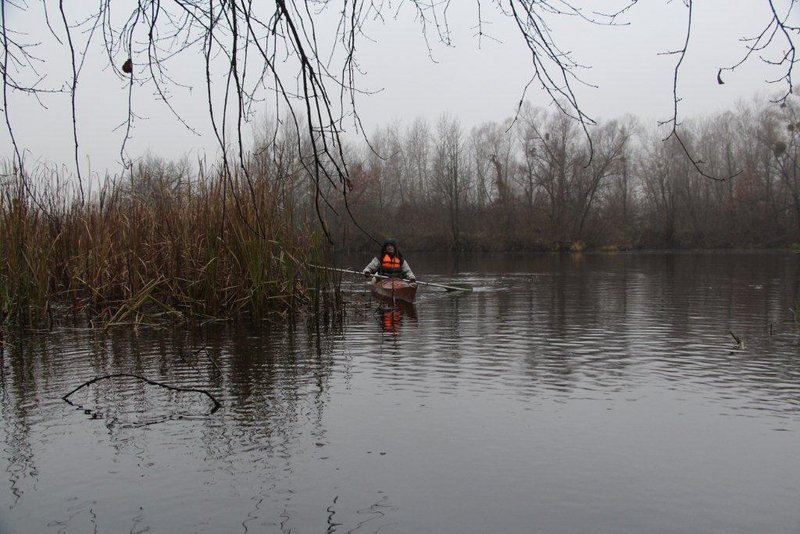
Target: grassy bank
x=158 y=245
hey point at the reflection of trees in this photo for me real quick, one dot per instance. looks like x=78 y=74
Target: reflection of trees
x=18 y=406
x=675 y=317
x=273 y=384
x=610 y=321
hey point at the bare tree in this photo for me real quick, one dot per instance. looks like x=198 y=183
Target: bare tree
x=555 y=159
x=786 y=150
x=418 y=139
x=756 y=190
x=663 y=171
x=609 y=142
x=484 y=169
x=155 y=180
x=254 y=51
x=450 y=173
x=528 y=141
x=492 y=145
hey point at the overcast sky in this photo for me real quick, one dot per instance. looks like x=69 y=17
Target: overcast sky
x=626 y=62
x=476 y=80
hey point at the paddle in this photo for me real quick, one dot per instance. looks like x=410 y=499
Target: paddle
x=350 y=271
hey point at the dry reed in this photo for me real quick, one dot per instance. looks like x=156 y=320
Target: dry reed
x=156 y=245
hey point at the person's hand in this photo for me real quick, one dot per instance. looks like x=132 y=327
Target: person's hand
x=412 y=279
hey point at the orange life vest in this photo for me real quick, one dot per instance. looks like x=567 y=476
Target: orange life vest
x=391 y=265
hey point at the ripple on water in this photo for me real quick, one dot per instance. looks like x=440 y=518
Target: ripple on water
x=579 y=382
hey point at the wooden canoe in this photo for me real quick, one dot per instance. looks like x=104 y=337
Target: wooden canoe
x=393 y=289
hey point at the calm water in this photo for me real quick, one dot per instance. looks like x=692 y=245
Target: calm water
x=565 y=394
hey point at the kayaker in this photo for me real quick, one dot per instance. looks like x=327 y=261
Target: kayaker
x=391 y=263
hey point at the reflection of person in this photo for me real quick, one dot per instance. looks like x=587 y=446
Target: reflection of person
x=390 y=262
x=392 y=317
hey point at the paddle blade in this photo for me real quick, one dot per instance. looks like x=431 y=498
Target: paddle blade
x=458 y=287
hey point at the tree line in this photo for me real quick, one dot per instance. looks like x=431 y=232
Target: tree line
x=539 y=182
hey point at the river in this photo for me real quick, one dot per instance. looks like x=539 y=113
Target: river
x=598 y=393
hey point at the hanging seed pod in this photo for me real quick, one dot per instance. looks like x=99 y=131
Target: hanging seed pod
x=127 y=67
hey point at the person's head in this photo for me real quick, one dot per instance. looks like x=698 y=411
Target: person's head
x=390 y=247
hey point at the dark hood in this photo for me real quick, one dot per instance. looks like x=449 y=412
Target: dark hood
x=388 y=242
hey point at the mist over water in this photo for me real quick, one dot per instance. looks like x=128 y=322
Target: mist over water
x=601 y=393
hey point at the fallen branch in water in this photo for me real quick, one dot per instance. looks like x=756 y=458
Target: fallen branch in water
x=217 y=404
x=739 y=341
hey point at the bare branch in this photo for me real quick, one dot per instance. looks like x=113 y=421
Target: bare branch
x=72 y=94
x=778 y=26
x=673 y=121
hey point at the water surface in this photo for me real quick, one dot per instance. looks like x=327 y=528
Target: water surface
x=593 y=393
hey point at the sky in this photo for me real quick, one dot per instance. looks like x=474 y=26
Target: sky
x=625 y=62
x=475 y=80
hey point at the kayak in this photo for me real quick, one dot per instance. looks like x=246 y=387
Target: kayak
x=393 y=289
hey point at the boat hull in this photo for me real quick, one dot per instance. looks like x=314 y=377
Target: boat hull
x=393 y=289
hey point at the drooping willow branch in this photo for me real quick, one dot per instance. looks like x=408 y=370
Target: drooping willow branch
x=217 y=404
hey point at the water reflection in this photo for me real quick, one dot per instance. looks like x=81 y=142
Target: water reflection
x=391 y=317
x=465 y=412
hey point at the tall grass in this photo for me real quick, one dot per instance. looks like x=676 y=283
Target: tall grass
x=158 y=244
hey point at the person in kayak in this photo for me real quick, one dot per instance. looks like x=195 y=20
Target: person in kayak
x=390 y=262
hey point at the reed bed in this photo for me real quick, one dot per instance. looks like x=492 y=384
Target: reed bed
x=158 y=245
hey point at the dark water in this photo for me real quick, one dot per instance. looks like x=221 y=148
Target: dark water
x=565 y=394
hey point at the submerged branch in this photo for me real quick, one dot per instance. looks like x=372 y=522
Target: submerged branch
x=217 y=404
